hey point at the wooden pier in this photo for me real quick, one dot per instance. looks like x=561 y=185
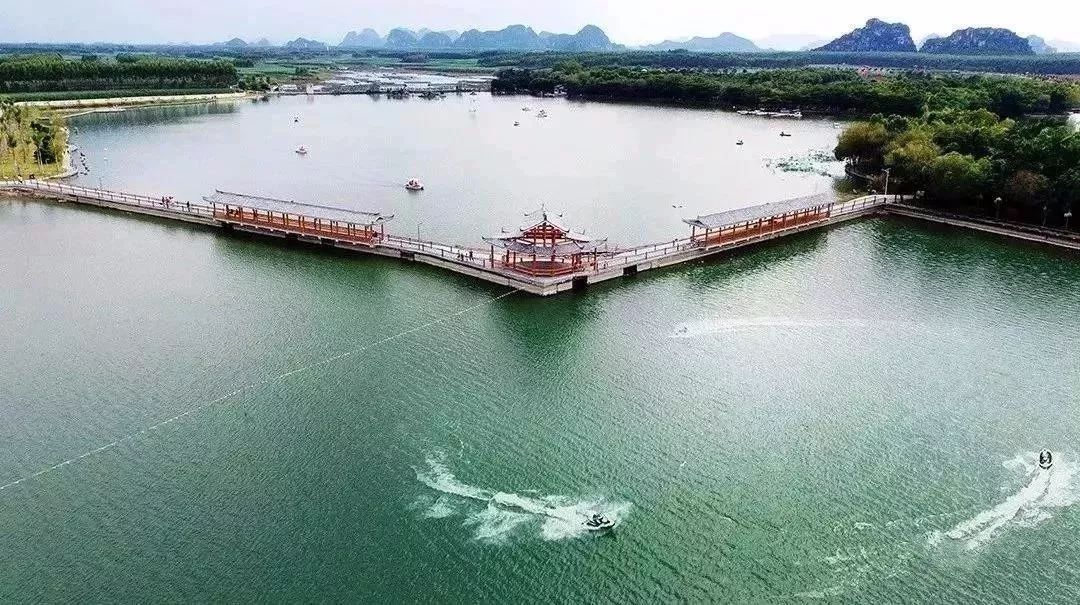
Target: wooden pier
x=541 y=259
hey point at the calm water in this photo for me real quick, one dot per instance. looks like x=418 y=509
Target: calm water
x=849 y=416
x=613 y=170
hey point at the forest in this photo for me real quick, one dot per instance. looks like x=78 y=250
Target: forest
x=52 y=72
x=832 y=91
x=973 y=161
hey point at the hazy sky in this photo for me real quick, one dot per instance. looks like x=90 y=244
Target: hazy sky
x=628 y=22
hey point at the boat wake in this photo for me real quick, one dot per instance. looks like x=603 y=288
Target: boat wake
x=695 y=329
x=494 y=515
x=1042 y=491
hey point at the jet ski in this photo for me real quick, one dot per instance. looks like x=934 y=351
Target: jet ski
x=598 y=522
x=1046 y=459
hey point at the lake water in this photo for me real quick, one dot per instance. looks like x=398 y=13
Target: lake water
x=612 y=170
x=850 y=415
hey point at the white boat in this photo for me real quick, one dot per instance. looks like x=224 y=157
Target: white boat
x=598 y=522
x=301 y=150
x=414 y=185
x=1046 y=459
x=526 y=109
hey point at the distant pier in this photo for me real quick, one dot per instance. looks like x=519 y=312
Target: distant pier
x=543 y=258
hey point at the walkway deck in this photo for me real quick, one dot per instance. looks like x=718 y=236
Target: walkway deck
x=720 y=232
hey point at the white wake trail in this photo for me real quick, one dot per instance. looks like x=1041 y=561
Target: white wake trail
x=495 y=515
x=705 y=327
x=1043 y=491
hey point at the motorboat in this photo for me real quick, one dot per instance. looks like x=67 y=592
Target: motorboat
x=301 y=150
x=739 y=142
x=296 y=120
x=541 y=114
x=526 y=109
x=414 y=185
x=598 y=522
x=784 y=134
x=516 y=123
x=1046 y=459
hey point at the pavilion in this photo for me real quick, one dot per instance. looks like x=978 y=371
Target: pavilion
x=546 y=249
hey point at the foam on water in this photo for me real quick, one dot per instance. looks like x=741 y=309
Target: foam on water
x=1042 y=491
x=695 y=329
x=494 y=515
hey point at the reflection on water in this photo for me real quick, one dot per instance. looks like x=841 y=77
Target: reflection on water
x=149 y=116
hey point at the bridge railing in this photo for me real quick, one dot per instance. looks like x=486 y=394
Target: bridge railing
x=119 y=197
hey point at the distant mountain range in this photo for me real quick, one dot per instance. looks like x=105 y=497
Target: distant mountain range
x=875 y=36
x=879 y=36
x=725 y=42
x=979 y=41
x=514 y=37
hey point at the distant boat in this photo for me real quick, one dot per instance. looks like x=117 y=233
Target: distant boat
x=301 y=150
x=541 y=114
x=526 y=109
x=516 y=123
x=784 y=134
x=296 y=119
x=739 y=142
x=414 y=185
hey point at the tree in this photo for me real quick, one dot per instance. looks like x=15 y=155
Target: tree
x=910 y=156
x=957 y=179
x=862 y=143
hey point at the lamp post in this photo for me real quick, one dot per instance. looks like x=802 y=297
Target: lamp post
x=997 y=208
x=418 y=230
x=1068 y=215
x=886 y=171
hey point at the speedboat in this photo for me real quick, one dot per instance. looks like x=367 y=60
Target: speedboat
x=301 y=150
x=598 y=522
x=516 y=123
x=1046 y=459
x=541 y=114
x=414 y=185
x=784 y=134
x=739 y=142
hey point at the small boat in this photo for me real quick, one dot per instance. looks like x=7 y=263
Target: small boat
x=739 y=142
x=414 y=185
x=784 y=134
x=516 y=123
x=301 y=150
x=1046 y=459
x=541 y=114
x=598 y=522
x=526 y=109
x=296 y=120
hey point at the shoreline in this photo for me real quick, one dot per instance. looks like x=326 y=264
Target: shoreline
x=101 y=105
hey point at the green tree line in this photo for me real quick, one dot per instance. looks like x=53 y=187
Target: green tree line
x=1053 y=64
x=827 y=90
x=973 y=161
x=42 y=73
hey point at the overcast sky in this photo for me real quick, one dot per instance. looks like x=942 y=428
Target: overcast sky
x=626 y=21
